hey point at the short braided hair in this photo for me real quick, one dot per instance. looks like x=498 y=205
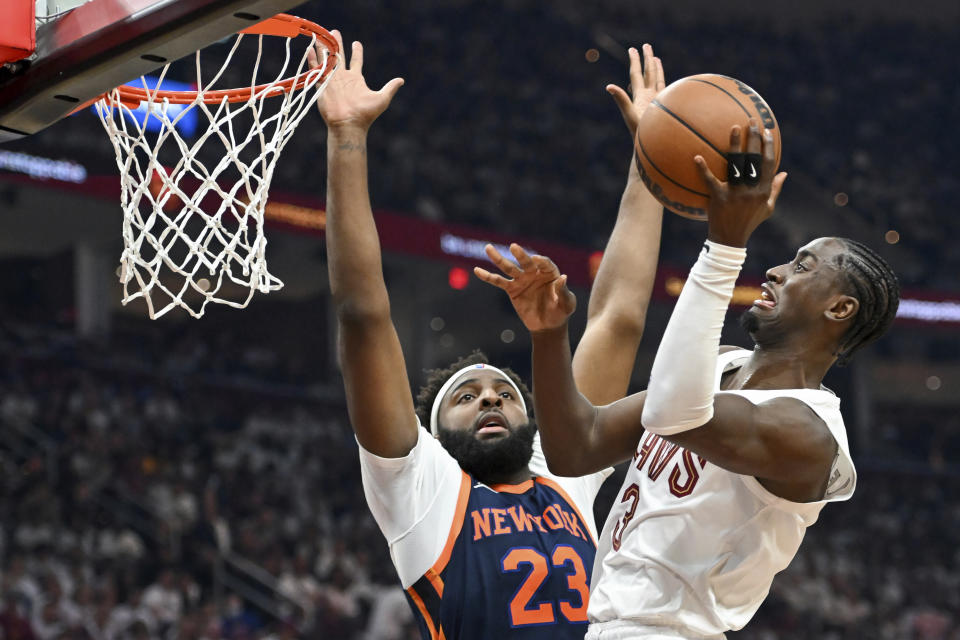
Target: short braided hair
x=875 y=286
x=437 y=377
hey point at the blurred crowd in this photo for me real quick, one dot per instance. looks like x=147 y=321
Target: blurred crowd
x=135 y=497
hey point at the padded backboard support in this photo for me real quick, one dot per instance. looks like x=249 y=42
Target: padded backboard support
x=17 y=30
x=105 y=43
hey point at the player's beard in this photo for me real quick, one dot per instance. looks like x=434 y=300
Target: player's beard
x=490 y=459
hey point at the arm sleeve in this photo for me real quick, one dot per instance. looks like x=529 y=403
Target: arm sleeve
x=683 y=377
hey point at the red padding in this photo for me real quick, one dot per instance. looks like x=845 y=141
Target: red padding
x=18 y=29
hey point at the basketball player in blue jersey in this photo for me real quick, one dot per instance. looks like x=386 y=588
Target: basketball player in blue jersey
x=734 y=452
x=487 y=543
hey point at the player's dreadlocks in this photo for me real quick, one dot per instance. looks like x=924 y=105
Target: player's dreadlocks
x=875 y=286
x=436 y=378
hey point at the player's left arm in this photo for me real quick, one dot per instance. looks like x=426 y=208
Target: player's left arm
x=782 y=442
x=617 y=310
x=578 y=437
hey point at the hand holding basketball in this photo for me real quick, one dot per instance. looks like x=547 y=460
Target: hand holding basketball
x=537 y=289
x=737 y=207
x=348 y=101
x=646 y=81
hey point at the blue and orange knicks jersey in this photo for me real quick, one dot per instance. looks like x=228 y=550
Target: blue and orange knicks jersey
x=516 y=565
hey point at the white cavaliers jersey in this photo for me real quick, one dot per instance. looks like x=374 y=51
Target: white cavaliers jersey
x=689 y=550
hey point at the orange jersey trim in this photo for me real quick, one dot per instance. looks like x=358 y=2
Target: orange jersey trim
x=455 y=528
x=556 y=487
x=523 y=487
x=436 y=581
x=417 y=600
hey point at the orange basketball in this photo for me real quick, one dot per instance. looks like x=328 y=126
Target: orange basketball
x=693 y=116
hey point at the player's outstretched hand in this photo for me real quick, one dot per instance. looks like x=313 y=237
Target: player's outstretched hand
x=537 y=289
x=749 y=195
x=347 y=100
x=646 y=80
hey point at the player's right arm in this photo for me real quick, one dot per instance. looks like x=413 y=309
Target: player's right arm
x=783 y=442
x=374 y=373
x=617 y=309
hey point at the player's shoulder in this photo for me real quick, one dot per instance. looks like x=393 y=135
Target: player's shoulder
x=789 y=414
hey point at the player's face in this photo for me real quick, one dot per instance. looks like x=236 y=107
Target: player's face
x=797 y=293
x=484 y=426
x=483 y=404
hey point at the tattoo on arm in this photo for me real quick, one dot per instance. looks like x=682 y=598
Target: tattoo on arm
x=353 y=145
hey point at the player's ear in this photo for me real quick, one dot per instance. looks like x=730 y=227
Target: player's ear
x=842 y=308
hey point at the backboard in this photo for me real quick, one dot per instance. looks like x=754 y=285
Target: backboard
x=101 y=44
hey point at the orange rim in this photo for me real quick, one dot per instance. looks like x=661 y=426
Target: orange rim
x=281 y=25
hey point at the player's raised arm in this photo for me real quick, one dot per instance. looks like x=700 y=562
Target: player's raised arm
x=378 y=393
x=593 y=438
x=782 y=441
x=616 y=312
x=617 y=309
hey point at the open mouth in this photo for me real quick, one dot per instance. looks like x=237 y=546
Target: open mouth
x=766 y=300
x=491 y=424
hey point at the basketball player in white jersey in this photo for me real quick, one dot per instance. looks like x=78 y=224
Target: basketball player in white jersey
x=734 y=452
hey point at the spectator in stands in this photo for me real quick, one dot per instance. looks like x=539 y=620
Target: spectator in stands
x=164 y=600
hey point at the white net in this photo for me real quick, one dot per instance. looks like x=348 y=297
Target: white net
x=194 y=233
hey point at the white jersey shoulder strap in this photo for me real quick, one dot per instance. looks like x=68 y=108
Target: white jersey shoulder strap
x=823 y=402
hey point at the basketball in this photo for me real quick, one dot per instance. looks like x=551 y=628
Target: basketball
x=693 y=116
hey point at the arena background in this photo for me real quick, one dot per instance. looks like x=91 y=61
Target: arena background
x=198 y=478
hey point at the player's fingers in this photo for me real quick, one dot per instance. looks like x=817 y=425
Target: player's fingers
x=754 y=137
x=563 y=295
x=737 y=160
x=636 y=70
x=712 y=183
x=502 y=262
x=558 y=285
x=356 y=57
x=523 y=258
x=776 y=188
x=620 y=97
x=390 y=89
x=753 y=173
x=661 y=78
x=491 y=278
x=312 y=60
x=736 y=134
x=769 y=154
x=624 y=103
x=343 y=54
x=649 y=67
x=546 y=266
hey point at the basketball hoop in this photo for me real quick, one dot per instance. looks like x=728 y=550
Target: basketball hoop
x=193 y=234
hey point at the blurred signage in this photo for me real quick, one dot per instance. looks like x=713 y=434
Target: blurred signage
x=454 y=245
x=43 y=168
x=929 y=310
